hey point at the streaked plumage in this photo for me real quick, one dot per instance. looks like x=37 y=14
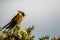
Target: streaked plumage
x=17 y=19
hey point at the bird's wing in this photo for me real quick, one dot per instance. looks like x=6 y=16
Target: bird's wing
x=15 y=18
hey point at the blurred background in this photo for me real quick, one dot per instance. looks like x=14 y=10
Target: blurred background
x=44 y=14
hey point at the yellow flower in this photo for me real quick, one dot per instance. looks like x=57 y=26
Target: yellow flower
x=24 y=32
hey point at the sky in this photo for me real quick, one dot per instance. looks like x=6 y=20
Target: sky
x=44 y=14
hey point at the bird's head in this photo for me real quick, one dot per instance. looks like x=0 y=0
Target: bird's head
x=21 y=13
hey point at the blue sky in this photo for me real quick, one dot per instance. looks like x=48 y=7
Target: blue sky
x=44 y=14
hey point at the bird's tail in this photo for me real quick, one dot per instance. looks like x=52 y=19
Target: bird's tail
x=3 y=28
x=6 y=25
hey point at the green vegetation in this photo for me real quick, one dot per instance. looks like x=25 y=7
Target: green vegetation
x=25 y=34
x=17 y=34
x=46 y=37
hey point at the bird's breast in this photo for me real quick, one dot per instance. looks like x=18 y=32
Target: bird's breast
x=19 y=21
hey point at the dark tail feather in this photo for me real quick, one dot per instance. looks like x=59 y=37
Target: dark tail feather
x=11 y=26
x=4 y=27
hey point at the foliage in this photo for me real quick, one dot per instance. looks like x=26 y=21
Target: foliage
x=25 y=34
x=55 y=38
x=17 y=34
x=46 y=37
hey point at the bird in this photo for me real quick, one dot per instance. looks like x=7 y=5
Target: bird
x=17 y=19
